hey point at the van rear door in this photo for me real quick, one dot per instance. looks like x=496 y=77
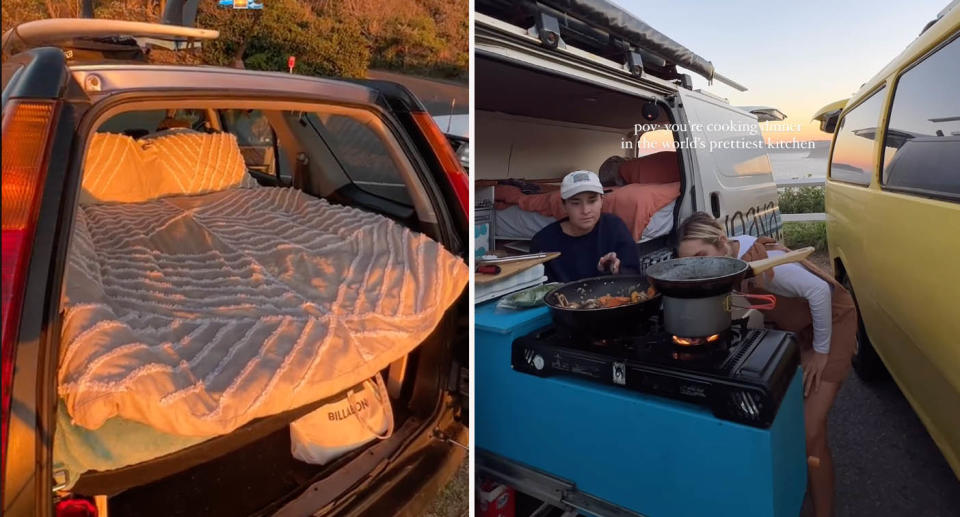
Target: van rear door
x=732 y=179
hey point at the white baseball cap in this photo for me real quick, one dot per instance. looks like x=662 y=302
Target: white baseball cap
x=580 y=181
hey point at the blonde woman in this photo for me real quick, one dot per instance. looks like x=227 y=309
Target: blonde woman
x=811 y=304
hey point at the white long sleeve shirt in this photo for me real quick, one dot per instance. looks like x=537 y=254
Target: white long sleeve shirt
x=794 y=280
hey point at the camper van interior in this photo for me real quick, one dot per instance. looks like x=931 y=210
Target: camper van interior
x=534 y=127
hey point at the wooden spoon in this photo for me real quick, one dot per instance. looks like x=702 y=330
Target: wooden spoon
x=759 y=266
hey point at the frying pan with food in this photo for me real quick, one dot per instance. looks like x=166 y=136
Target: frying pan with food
x=575 y=304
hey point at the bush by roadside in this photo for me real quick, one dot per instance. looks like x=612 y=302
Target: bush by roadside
x=799 y=235
x=801 y=200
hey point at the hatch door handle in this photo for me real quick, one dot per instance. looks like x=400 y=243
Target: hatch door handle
x=715 y=204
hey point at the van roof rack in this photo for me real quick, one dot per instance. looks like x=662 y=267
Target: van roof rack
x=99 y=35
x=952 y=5
x=601 y=27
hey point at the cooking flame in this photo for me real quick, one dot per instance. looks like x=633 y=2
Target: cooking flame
x=684 y=341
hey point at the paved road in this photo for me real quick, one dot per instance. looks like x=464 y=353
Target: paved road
x=886 y=463
x=454 y=499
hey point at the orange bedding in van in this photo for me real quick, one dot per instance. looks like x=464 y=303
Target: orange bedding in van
x=634 y=203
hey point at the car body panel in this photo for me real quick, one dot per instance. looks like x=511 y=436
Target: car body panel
x=732 y=164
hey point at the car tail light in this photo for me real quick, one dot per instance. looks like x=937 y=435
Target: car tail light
x=27 y=126
x=448 y=159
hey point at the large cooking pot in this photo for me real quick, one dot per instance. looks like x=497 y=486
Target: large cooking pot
x=602 y=322
x=700 y=277
x=697 y=291
x=709 y=315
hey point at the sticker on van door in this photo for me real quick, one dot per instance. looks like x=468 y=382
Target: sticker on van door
x=759 y=221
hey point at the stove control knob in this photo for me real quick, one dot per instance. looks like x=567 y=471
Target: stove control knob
x=538 y=362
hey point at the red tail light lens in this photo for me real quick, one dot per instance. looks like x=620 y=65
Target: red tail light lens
x=448 y=159
x=27 y=126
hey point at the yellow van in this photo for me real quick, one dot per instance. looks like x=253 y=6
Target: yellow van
x=893 y=223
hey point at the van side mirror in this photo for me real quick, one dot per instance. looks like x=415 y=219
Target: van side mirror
x=828 y=124
x=829 y=115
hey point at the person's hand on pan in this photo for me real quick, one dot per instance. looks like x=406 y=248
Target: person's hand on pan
x=813 y=372
x=609 y=262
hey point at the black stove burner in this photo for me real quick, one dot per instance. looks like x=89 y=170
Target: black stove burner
x=742 y=376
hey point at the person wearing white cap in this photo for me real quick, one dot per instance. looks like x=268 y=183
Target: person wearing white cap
x=590 y=242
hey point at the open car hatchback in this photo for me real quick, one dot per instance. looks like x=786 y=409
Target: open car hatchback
x=187 y=202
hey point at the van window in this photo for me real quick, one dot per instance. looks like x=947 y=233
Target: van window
x=853 y=157
x=363 y=155
x=655 y=141
x=922 y=142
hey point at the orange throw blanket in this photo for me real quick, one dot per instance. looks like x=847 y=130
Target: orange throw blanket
x=634 y=203
x=653 y=168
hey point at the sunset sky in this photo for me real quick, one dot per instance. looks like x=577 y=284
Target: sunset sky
x=794 y=56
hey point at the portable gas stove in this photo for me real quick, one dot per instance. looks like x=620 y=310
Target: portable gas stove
x=741 y=374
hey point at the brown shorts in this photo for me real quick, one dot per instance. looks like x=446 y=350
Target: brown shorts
x=843 y=342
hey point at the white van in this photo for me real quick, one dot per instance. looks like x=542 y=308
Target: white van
x=556 y=94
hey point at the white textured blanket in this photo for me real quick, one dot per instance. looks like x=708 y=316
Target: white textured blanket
x=197 y=314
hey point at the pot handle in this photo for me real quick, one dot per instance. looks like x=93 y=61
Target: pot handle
x=759 y=266
x=769 y=298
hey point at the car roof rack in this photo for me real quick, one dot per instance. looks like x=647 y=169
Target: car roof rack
x=603 y=28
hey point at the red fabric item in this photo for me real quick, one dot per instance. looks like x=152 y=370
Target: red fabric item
x=634 y=203
x=659 y=167
x=76 y=508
